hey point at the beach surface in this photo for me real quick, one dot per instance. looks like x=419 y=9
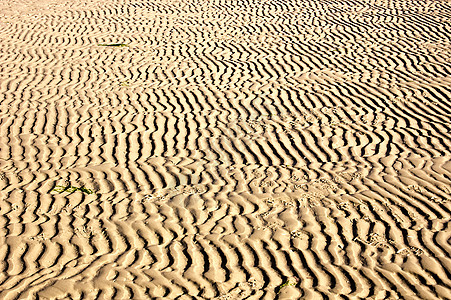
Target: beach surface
x=252 y=149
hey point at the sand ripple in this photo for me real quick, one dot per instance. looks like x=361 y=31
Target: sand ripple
x=252 y=149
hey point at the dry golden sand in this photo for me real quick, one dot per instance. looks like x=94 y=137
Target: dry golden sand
x=277 y=149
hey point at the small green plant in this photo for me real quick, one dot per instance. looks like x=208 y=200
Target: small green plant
x=113 y=45
x=284 y=284
x=71 y=189
x=125 y=83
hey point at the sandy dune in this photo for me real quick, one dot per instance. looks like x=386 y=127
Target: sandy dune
x=195 y=149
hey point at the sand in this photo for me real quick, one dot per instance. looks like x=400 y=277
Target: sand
x=195 y=149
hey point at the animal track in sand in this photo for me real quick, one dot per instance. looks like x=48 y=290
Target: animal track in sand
x=161 y=195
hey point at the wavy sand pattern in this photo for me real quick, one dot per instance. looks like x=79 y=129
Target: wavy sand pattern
x=255 y=149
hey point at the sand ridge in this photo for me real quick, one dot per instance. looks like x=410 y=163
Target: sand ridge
x=255 y=149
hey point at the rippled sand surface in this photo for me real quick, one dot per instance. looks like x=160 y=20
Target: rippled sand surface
x=225 y=149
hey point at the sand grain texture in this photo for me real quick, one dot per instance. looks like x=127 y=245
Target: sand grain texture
x=235 y=149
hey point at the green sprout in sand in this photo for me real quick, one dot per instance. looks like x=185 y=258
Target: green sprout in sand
x=113 y=45
x=286 y=283
x=71 y=189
